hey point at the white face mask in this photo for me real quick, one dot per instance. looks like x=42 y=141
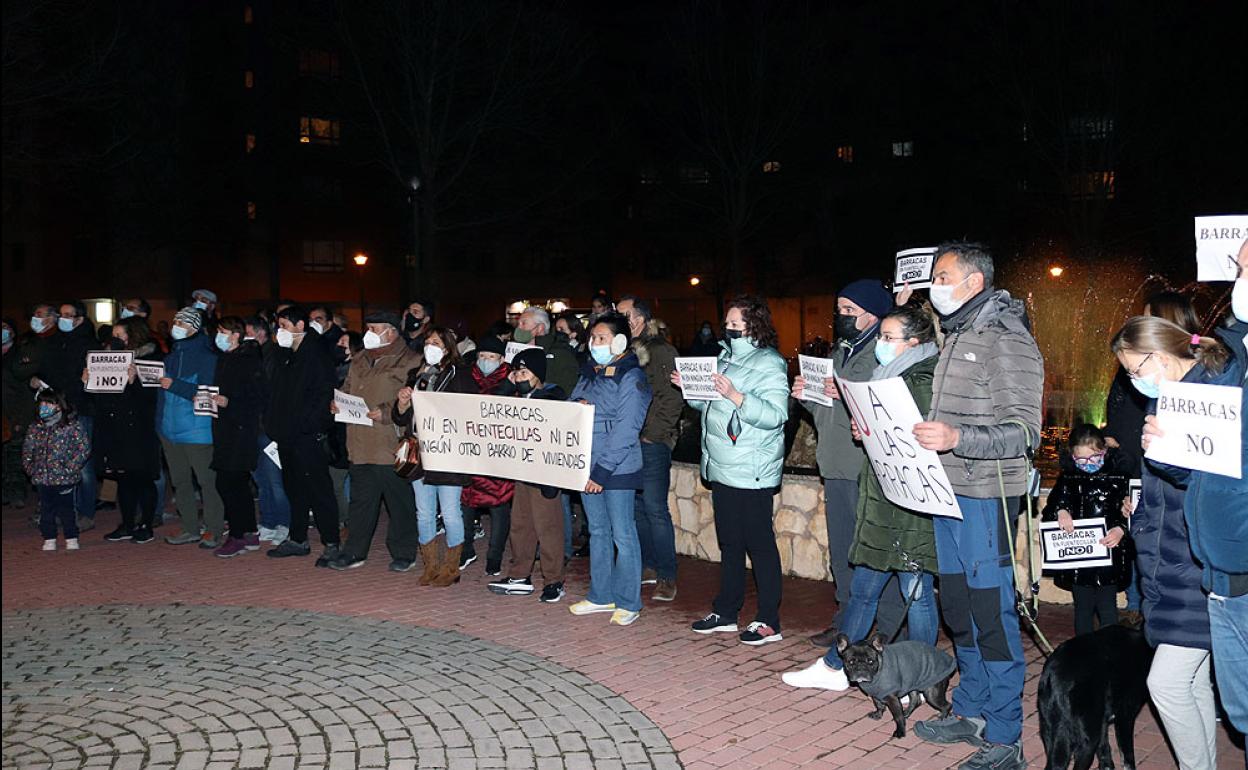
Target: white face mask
x=372 y=340
x=1239 y=299
x=433 y=354
x=942 y=297
x=317 y=326
x=285 y=338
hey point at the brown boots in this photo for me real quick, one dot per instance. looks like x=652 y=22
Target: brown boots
x=448 y=571
x=441 y=564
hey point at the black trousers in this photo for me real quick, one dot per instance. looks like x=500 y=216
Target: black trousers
x=136 y=493
x=1098 y=601
x=240 y=508
x=305 y=476
x=370 y=484
x=743 y=526
x=500 y=528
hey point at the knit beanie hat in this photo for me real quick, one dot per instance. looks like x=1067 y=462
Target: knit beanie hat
x=869 y=295
x=533 y=359
x=190 y=316
x=491 y=344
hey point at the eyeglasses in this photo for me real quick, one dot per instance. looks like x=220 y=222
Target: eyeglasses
x=1084 y=462
x=1135 y=373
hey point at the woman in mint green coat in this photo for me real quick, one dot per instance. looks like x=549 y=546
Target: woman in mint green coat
x=743 y=460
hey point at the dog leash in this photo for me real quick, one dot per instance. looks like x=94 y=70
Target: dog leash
x=916 y=569
x=1029 y=611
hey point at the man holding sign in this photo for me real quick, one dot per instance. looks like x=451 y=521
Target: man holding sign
x=985 y=422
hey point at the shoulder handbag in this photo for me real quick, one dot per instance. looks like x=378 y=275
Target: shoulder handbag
x=407 y=457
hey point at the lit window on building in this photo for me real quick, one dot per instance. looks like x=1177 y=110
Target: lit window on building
x=1093 y=185
x=319 y=130
x=314 y=61
x=903 y=149
x=247 y=14
x=249 y=79
x=250 y=143
x=771 y=167
x=694 y=174
x=251 y=210
x=845 y=153
x=323 y=257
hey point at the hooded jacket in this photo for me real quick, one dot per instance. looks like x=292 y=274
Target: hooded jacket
x=620 y=395
x=658 y=359
x=376 y=376
x=755 y=459
x=836 y=453
x=191 y=363
x=53 y=455
x=990 y=372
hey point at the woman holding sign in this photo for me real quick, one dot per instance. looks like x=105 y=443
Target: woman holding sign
x=613 y=382
x=1176 y=617
x=743 y=459
x=124 y=436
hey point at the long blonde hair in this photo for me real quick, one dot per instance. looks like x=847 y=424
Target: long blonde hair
x=1146 y=334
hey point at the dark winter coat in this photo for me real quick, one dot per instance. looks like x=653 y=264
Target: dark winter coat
x=1175 y=609
x=124 y=436
x=62 y=357
x=18 y=400
x=620 y=396
x=1125 y=409
x=884 y=531
x=447 y=378
x=561 y=363
x=236 y=431
x=836 y=453
x=300 y=393
x=658 y=359
x=1092 y=496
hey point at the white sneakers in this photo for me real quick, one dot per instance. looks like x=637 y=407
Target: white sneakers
x=71 y=544
x=587 y=607
x=277 y=535
x=49 y=545
x=624 y=617
x=818 y=675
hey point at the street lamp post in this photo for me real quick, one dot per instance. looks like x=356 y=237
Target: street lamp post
x=361 y=259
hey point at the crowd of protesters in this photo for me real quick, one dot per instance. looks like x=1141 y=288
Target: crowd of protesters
x=273 y=462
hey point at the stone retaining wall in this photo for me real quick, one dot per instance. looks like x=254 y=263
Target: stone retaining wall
x=801 y=529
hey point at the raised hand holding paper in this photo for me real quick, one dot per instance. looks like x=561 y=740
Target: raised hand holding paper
x=513 y=348
x=696 y=382
x=351 y=409
x=816 y=371
x=1217 y=242
x=149 y=373
x=1200 y=427
x=204 y=404
x=914 y=267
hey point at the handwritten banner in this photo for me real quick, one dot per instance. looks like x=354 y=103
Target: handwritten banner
x=1217 y=242
x=1201 y=427
x=910 y=476
x=108 y=371
x=914 y=266
x=149 y=373
x=816 y=372
x=1073 y=550
x=351 y=409
x=695 y=378
x=542 y=442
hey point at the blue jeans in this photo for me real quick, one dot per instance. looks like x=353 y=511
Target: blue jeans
x=868 y=585
x=614 y=553
x=84 y=496
x=274 y=505
x=428 y=499
x=977 y=596
x=1133 y=590
x=1228 y=626
x=654 y=520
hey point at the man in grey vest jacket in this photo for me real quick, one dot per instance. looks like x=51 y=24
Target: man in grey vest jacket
x=860 y=307
x=985 y=422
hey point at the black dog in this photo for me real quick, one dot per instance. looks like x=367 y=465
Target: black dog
x=887 y=673
x=1088 y=682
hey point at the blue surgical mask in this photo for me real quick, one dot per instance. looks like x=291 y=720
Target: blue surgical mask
x=601 y=354
x=223 y=342
x=885 y=352
x=48 y=413
x=200 y=305
x=7 y=336
x=178 y=333
x=488 y=366
x=1092 y=464
x=127 y=313
x=1149 y=386
x=65 y=324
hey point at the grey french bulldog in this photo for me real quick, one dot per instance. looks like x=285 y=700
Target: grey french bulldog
x=889 y=672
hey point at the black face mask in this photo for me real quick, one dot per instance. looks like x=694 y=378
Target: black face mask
x=116 y=344
x=523 y=387
x=846 y=327
x=733 y=334
x=412 y=323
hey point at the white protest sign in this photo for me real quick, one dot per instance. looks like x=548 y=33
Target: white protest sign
x=1201 y=427
x=149 y=373
x=108 y=371
x=270 y=451
x=914 y=266
x=542 y=442
x=910 y=476
x=1217 y=242
x=351 y=409
x=695 y=378
x=816 y=372
x=1073 y=550
x=1135 y=488
x=204 y=404
x=513 y=348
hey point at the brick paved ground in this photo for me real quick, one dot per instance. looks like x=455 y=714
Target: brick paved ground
x=720 y=703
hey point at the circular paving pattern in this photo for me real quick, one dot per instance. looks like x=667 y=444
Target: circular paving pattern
x=195 y=687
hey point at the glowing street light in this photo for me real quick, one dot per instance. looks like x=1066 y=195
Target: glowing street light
x=694 y=280
x=1056 y=271
x=361 y=259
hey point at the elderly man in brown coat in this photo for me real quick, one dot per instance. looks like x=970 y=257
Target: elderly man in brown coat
x=376 y=374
